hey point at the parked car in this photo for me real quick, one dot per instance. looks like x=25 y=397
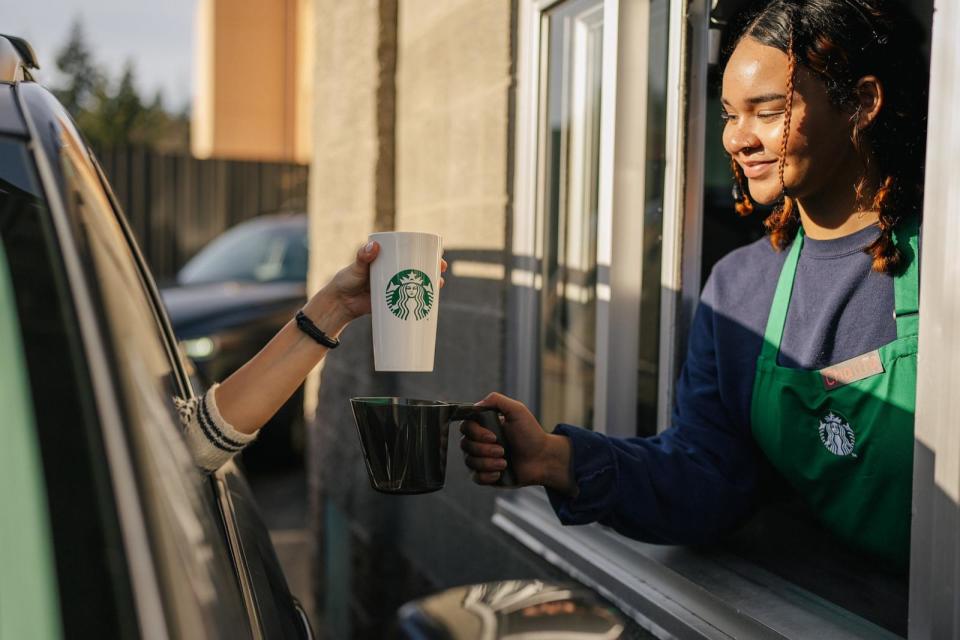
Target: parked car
x=230 y=299
x=107 y=528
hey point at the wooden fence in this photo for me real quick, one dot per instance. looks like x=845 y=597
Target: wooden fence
x=176 y=203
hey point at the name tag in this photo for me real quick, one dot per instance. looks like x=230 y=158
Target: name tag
x=851 y=370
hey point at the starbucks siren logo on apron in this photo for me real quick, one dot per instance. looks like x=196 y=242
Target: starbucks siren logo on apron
x=410 y=295
x=836 y=434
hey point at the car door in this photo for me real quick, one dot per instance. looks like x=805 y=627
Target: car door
x=184 y=575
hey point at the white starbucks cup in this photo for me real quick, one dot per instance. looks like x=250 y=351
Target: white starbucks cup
x=404 y=297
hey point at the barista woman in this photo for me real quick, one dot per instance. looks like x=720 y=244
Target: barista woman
x=824 y=109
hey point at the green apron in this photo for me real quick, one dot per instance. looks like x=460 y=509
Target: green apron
x=846 y=448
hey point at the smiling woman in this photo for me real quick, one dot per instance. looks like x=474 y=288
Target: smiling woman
x=824 y=109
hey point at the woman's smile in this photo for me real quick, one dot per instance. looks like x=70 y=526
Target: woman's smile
x=754 y=169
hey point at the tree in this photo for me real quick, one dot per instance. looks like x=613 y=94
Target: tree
x=83 y=79
x=111 y=115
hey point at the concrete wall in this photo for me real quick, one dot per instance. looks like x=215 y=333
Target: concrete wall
x=420 y=91
x=454 y=83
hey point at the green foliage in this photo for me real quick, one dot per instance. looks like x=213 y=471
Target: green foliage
x=112 y=114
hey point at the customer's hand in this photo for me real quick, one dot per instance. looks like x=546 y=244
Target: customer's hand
x=537 y=457
x=347 y=296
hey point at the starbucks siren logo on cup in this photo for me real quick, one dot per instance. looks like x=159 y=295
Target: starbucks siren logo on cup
x=405 y=298
x=409 y=295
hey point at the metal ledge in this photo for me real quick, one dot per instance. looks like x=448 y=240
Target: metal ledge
x=675 y=592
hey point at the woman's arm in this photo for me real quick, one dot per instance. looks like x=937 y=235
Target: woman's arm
x=250 y=396
x=686 y=485
x=538 y=457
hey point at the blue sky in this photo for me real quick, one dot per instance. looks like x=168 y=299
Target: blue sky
x=157 y=36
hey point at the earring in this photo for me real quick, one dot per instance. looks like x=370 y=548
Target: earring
x=741 y=199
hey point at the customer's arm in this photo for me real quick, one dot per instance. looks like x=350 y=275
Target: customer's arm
x=252 y=394
x=228 y=416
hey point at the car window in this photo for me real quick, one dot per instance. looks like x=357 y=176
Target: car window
x=28 y=594
x=200 y=587
x=93 y=587
x=258 y=252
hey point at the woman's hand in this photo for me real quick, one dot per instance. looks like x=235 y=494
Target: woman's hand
x=537 y=457
x=347 y=296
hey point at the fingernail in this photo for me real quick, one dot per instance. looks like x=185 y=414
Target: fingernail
x=501 y=464
x=368 y=247
x=498 y=451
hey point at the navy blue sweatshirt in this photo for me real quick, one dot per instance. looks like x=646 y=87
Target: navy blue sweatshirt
x=699 y=478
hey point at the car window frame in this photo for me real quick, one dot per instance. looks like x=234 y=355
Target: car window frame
x=231 y=526
x=86 y=442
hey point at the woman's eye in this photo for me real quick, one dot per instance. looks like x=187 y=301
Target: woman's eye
x=727 y=117
x=769 y=115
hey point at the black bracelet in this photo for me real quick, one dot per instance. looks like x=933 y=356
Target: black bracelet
x=306 y=325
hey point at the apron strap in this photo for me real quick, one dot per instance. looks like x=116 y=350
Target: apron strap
x=906 y=286
x=781 y=300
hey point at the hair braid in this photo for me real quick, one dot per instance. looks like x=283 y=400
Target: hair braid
x=887 y=258
x=741 y=200
x=783 y=223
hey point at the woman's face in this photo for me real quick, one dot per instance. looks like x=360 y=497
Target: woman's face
x=410 y=290
x=820 y=154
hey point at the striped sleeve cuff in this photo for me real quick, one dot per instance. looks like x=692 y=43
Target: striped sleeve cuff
x=211 y=439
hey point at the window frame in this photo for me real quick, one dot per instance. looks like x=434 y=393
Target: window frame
x=38 y=108
x=618 y=283
x=934 y=574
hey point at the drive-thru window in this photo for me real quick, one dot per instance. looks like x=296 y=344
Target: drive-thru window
x=622 y=205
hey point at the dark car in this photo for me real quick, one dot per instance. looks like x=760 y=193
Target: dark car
x=231 y=298
x=107 y=527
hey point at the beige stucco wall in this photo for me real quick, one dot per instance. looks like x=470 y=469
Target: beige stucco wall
x=343 y=177
x=345 y=165
x=249 y=93
x=453 y=92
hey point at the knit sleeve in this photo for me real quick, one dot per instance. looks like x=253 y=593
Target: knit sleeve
x=211 y=439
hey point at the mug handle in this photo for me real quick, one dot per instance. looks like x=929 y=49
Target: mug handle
x=489 y=418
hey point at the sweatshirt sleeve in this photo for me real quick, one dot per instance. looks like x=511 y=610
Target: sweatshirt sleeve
x=687 y=485
x=211 y=439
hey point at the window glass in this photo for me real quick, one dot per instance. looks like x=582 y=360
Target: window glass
x=574 y=64
x=261 y=251
x=655 y=166
x=575 y=281
x=92 y=584
x=192 y=556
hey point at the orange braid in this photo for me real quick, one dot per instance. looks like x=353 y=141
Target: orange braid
x=783 y=223
x=743 y=204
x=887 y=258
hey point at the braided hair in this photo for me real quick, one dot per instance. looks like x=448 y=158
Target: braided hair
x=839 y=42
